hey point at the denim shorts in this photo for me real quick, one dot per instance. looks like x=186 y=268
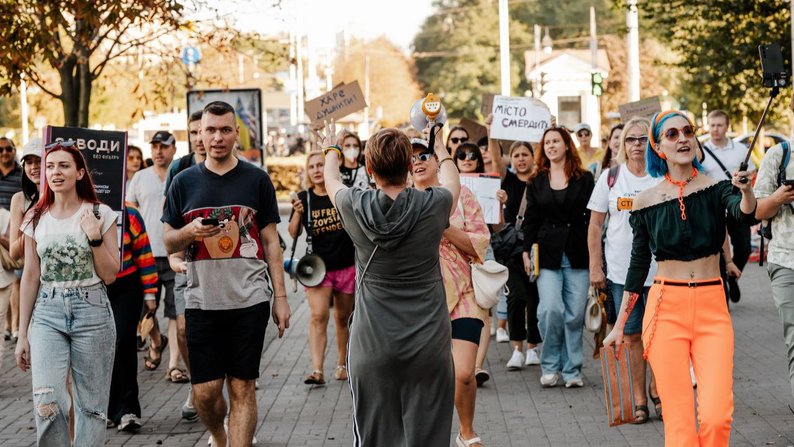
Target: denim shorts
x=634 y=322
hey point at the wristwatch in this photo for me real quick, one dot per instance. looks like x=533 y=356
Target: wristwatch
x=95 y=242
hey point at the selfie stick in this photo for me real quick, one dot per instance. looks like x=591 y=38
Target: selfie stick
x=745 y=163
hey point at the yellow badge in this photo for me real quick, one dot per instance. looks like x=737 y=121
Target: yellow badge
x=625 y=203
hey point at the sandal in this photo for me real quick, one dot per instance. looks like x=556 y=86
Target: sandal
x=460 y=442
x=641 y=414
x=657 y=403
x=155 y=362
x=341 y=372
x=177 y=375
x=315 y=378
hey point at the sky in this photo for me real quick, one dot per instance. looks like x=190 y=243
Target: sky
x=323 y=19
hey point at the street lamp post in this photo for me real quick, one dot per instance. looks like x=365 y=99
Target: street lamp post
x=504 y=46
x=633 y=38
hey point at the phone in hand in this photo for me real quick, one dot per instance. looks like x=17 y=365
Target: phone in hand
x=210 y=221
x=788 y=182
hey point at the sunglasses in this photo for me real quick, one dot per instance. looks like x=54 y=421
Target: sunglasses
x=583 y=133
x=424 y=156
x=64 y=144
x=8 y=149
x=631 y=141
x=456 y=140
x=672 y=134
x=466 y=155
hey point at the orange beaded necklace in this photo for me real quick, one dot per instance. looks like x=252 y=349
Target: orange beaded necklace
x=681 y=185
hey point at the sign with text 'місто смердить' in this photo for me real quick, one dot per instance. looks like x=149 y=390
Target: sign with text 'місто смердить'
x=519 y=119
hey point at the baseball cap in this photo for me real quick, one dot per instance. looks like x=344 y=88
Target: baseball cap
x=34 y=147
x=582 y=126
x=163 y=136
x=418 y=142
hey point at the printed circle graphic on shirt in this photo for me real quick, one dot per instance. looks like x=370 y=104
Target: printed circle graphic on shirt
x=225 y=244
x=222 y=245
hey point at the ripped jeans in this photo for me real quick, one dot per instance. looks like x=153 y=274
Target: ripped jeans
x=71 y=330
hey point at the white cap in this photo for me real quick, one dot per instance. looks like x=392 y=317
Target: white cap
x=34 y=147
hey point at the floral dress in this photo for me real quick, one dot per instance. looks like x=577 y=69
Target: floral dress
x=455 y=268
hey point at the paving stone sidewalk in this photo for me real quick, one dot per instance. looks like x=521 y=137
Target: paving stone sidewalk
x=512 y=409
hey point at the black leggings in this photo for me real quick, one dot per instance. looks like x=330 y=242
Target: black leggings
x=522 y=307
x=740 y=240
x=126 y=299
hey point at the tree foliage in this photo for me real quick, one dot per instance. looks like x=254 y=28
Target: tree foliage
x=393 y=85
x=457 y=51
x=716 y=41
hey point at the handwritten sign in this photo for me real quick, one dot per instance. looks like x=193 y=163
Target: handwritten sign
x=644 y=108
x=338 y=103
x=519 y=119
x=484 y=186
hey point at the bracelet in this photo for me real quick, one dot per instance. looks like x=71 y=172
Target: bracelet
x=334 y=148
x=446 y=159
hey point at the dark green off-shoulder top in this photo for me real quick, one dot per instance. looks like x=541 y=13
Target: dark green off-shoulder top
x=659 y=229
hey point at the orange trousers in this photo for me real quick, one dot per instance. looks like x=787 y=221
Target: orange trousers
x=683 y=324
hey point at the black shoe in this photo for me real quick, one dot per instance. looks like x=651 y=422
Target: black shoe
x=141 y=344
x=7 y=335
x=734 y=292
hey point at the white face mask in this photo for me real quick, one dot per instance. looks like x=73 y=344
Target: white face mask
x=351 y=154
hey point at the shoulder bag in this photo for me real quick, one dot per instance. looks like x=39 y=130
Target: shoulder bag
x=509 y=242
x=487 y=278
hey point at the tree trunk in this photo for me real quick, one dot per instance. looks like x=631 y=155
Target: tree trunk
x=85 y=79
x=68 y=92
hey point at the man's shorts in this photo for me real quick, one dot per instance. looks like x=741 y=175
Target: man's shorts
x=226 y=342
x=342 y=280
x=180 y=284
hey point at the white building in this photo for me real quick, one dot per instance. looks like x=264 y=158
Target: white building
x=564 y=78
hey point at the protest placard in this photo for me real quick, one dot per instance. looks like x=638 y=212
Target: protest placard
x=519 y=119
x=644 y=108
x=338 y=103
x=474 y=129
x=486 y=106
x=485 y=186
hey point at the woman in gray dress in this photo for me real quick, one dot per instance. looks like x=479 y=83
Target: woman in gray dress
x=400 y=363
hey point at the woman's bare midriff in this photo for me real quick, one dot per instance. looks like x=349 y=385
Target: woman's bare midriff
x=699 y=269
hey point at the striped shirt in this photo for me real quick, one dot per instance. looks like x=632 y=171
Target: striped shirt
x=136 y=252
x=9 y=185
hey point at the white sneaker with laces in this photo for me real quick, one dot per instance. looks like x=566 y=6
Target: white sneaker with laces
x=533 y=358
x=550 y=380
x=516 y=362
x=574 y=383
x=129 y=423
x=501 y=335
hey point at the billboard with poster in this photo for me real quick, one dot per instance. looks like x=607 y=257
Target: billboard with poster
x=247 y=104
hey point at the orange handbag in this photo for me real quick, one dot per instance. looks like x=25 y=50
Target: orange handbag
x=618 y=390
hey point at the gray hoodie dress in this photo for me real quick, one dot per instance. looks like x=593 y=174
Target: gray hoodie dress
x=399 y=355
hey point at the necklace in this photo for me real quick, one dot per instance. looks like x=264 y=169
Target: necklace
x=681 y=185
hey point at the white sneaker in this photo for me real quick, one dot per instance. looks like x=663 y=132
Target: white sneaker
x=532 y=357
x=129 y=423
x=574 y=383
x=692 y=376
x=516 y=362
x=550 y=380
x=501 y=336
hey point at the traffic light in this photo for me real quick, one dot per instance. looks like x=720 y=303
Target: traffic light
x=597 y=79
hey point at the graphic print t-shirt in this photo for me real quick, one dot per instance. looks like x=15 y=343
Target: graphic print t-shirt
x=329 y=239
x=66 y=258
x=355 y=177
x=228 y=270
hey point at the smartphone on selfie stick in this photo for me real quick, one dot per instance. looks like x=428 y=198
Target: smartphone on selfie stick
x=774 y=76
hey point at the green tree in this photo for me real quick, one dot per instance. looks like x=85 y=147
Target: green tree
x=457 y=53
x=716 y=41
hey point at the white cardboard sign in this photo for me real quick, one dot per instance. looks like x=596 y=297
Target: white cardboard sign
x=485 y=186
x=519 y=119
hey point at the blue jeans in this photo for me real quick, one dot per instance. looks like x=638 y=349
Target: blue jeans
x=634 y=321
x=71 y=330
x=563 y=299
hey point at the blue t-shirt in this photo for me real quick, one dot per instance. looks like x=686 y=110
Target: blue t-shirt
x=228 y=270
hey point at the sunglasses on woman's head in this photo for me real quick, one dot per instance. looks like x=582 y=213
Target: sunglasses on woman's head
x=424 y=156
x=631 y=141
x=68 y=143
x=456 y=140
x=673 y=133
x=466 y=155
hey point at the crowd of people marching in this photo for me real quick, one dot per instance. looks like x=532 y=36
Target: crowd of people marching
x=655 y=220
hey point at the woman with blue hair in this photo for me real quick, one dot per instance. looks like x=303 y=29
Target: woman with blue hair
x=682 y=222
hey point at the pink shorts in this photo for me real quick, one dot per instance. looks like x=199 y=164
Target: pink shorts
x=343 y=280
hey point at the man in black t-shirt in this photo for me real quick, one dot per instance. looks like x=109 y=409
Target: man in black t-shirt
x=223 y=213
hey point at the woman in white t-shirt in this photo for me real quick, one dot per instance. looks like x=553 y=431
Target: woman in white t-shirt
x=71 y=252
x=613 y=195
